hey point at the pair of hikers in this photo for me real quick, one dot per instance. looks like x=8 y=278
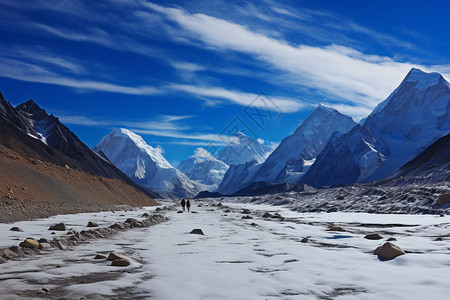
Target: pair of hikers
x=186 y=204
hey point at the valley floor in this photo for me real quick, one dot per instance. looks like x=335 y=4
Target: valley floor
x=259 y=258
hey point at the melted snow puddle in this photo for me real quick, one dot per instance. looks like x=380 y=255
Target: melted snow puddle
x=235 y=260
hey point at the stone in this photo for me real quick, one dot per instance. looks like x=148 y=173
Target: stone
x=121 y=262
x=373 y=236
x=305 y=240
x=335 y=228
x=179 y=212
x=8 y=254
x=267 y=215
x=113 y=256
x=254 y=224
x=277 y=215
x=16 y=229
x=100 y=256
x=145 y=215
x=117 y=225
x=219 y=204
x=439 y=239
x=44 y=246
x=227 y=211
x=58 y=227
x=391 y=239
x=29 y=243
x=131 y=220
x=16 y=249
x=197 y=231
x=46 y=290
x=42 y=240
x=61 y=245
x=92 y=224
x=443 y=199
x=246 y=212
x=247 y=217
x=388 y=251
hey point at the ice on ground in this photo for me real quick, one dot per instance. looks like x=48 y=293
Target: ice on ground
x=236 y=260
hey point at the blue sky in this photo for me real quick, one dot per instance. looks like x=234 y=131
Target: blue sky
x=186 y=74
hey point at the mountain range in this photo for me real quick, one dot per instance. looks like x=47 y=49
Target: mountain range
x=404 y=140
x=144 y=164
x=43 y=161
x=415 y=115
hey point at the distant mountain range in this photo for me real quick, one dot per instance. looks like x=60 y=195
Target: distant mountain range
x=404 y=140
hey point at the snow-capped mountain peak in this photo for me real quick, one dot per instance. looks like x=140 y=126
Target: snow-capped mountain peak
x=422 y=79
x=144 y=164
x=413 y=116
x=204 y=168
x=242 y=148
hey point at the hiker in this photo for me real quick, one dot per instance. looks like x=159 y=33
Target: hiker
x=183 y=204
x=188 y=205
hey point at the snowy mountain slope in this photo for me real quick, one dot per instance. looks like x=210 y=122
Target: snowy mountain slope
x=414 y=116
x=292 y=158
x=238 y=177
x=242 y=149
x=144 y=164
x=204 y=168
x=431 y=165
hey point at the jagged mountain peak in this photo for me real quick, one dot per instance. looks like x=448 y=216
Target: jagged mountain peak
x=241 y=149
x=423 y=79
x=145 y=164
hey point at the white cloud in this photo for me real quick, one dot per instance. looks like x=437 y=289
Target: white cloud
x=241 y=98
x=202 y=153
x=17 y=69
x=339 y=72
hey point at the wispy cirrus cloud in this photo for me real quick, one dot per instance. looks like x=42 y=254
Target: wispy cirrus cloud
x=219 y=94
x=340 y=73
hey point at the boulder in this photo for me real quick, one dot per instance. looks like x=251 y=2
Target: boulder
x=92 y=224
x=30 y=243
x=246 y=212
x=305 y=240
x=16 y=249
x=391 y=239
x=8 y=254
x=373 y=236
x=16 y=229
x=42 y=240
x=121 y=262
x=247 y=217
x=179 y=212
x=113 y=256
x=443 y=199
x=267 y=215
x=130 y=220
x=44 y=246
x=100 y=256
x=197 y=231
x=335 y=228
x=58 y=227
x=388 y=251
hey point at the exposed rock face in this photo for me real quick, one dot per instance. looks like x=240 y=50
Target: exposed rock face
x=388 y=251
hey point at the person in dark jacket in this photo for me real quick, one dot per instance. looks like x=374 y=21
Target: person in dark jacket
x=188 y=205
x=183 y=204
